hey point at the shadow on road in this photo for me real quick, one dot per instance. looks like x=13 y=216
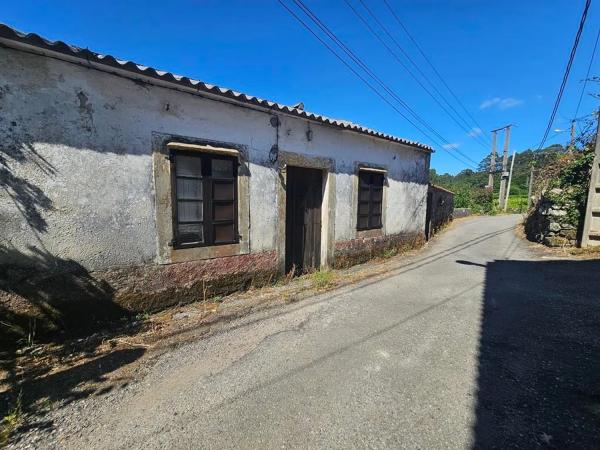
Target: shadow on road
x=539 y=356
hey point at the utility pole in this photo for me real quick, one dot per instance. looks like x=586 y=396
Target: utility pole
x=591 y=223
x=504 y=178
x=572 y=142
x=512 y=166
x=492 y=162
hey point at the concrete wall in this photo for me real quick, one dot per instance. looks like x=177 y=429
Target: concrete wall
x=440 y=209
x=76 y=152
x=77 y=173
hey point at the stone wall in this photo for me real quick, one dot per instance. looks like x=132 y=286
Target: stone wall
x=548 y=223
x=62 y=297
x=362 y=249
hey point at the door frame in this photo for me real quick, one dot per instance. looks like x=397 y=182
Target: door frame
x=327 y=166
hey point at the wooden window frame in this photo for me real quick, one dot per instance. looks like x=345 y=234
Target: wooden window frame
x=208 y=202
x=371 y=214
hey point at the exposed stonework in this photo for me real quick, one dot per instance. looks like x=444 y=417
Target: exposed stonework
x=548 y=223
x=362 y=249
x=76 y=301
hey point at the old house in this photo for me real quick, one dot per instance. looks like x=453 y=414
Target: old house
x=127 y=183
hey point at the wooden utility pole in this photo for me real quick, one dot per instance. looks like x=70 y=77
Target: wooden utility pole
x=492 y=162
x=504 y=178
x=512 y=166
x=591 y=223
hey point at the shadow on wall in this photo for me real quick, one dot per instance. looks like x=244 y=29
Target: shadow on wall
x=28 y=198
x=51 y=296
x=539 y=356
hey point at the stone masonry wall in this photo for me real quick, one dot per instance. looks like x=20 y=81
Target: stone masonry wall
x=362 y=249
x=547 y=223
x=61 y=297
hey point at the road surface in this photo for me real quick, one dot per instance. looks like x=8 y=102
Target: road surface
x=476 y=342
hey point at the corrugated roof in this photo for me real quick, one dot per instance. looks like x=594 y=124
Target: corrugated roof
x=8 y=34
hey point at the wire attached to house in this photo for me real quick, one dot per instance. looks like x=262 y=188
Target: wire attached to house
x=456 y=117
x=437 y=73
x=369 y=72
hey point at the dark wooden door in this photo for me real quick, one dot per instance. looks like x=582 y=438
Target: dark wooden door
x=303 y=219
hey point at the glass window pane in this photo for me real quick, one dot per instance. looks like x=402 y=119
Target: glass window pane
x=377 y=194
x=189 y=166
x=189 y=211
x=223 y=190
x=375 y=221
x=223 y=211
x=376 y=207
x=365 y=178
x=364 y=195
x=224 y=233
x=363 y=208
x=363 y=222
x=190 y=233
x=222 y=168
x=189 y=188
x=377 y=179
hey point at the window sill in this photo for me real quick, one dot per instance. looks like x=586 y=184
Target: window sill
x=369 y=233
x=207 y=252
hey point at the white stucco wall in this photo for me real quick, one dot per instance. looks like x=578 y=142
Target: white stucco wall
x=77 y=177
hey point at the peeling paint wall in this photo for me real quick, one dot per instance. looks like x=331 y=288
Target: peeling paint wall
x=76 y=161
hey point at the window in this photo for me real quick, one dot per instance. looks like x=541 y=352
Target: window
x=204 y=199
x=370 y=198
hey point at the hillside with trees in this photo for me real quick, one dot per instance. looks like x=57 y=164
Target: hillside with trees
x=469 y=185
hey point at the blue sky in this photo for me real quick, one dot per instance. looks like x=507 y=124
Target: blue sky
x=503 y=59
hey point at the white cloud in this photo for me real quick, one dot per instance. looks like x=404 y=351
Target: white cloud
x=500 y=103
x=451 y=146
x=475 y=132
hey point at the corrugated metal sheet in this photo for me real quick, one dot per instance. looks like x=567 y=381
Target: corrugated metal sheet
x=8 y=34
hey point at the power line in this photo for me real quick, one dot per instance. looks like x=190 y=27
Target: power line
x=440 y=77
x=371 y=74
x=361 y=78
x=397 y=58
x=464 y=125
x=587 y=75
x=566 y=74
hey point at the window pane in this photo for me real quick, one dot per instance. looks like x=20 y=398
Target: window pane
x=363 y=222
x=223 y=190
x=365 y=178
x=375 y=221
x=363 y=208
x=223 y=211
x=377 y=194
x=364 y=195
x=376 y=207
x=224 y=233
x=377 y=179
x=189 y=166
x=189 y=211
x=222 y=168
x=189 y=188
x=190 y=233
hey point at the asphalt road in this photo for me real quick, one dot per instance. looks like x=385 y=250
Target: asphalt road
x=475 y=342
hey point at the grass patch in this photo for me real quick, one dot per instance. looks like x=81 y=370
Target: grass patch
x=389 y=253
x=11 y=422
x=322 y=279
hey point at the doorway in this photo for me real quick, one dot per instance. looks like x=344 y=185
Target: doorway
x=304 y=197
